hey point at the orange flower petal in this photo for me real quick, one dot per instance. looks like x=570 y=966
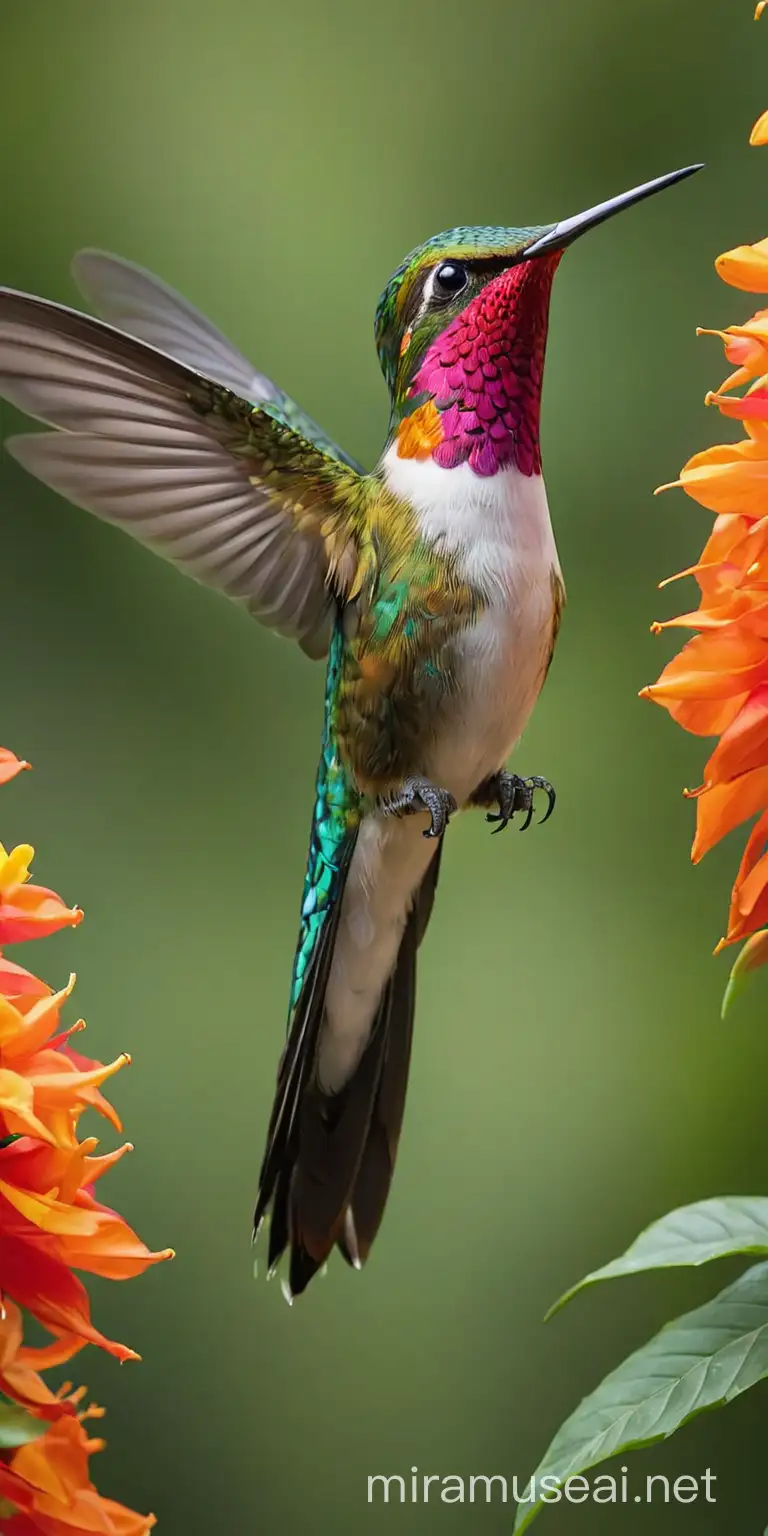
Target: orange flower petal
x=57 y=1463
x=744 y=743
x=46 y=1288
x=91 y=1096
x=750 y=911
x=737 y=605
x=728 y=453
x=96 y=1167
x=45 y=1357
x=31 y=1165
x=85 y=1234
x=727 y=536
x=726 y=562
x=16 y=982
x=751 y=890
x=57 y=1082
x=14 y=866
x=704 y=717
x=725 y=806
x=10 y=765
x=17 y=1106
x=747 y=346
x=10 y=1334
x=718 y=666
x=750 y=407
x=31 y=912
x=18 y=1492
x=49 y=1214
x=759 y=134
x=29 y=1389
x=21 y=1034
x=114 y=1250
x=739 y=484
x=745 y=267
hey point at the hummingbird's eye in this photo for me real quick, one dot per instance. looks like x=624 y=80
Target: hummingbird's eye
x=450 y=278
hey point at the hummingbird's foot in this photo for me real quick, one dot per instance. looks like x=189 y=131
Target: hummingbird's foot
x=512 y=794
x=417 y=794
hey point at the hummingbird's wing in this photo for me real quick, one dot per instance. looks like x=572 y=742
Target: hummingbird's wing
x=136 y=301
x=214 y=483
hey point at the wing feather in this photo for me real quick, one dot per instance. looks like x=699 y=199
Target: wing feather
x=134 y=300
x=234 y=497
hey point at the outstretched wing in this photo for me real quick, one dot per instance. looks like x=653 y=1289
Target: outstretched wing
x=198 y=472
x=134 y=300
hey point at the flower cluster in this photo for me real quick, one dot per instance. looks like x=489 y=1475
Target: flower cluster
x=51 y=1224
x=718 y=683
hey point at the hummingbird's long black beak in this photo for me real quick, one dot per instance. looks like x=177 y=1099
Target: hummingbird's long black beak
x=568 y=230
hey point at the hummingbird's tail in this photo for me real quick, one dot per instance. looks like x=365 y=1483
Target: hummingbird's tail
x=330 y=1157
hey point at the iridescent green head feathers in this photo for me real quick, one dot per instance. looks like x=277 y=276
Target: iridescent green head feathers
x=440 y=278
x=421 y=298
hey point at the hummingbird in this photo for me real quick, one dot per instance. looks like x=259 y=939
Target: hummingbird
x=431 y=585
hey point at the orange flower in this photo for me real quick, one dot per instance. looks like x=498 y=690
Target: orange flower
x=51 y=1224
x=20 y=1367
x=28 y=911
x=44 y=1485
x=48 y=1482
x=717 y=685
x=46 y=1210
x=48 y=1290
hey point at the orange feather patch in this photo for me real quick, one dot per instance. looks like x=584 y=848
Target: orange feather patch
x=419 y=434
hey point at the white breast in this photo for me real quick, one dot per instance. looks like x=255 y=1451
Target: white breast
x=500 y=531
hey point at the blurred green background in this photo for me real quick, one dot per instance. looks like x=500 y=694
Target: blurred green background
x=571 y=1079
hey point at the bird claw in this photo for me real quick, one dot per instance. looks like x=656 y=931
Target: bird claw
x=417 y=794
x=516 y=794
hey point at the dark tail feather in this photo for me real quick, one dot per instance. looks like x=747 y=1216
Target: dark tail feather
x=292 y=1077
x=330 y=1159
x=377 y=1164
x=334 y=1132
x=365 y=1207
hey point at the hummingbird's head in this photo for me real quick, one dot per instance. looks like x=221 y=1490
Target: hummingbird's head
x=461 y=331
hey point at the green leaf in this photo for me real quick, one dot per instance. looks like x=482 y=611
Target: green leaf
x=692 y=1235
x=701 y=1360
x=17 y=1427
